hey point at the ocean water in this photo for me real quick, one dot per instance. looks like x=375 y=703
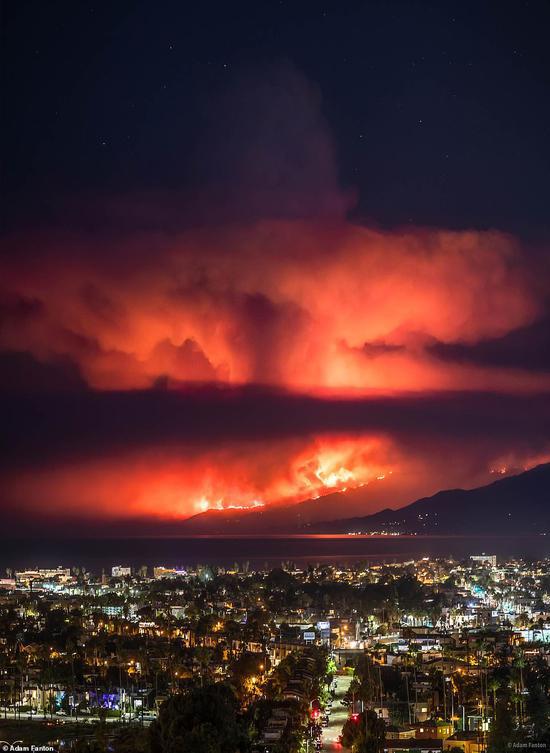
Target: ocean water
x=259 y=552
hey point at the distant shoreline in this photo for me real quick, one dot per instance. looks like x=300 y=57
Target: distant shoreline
x=280 y=536
x=258 y=550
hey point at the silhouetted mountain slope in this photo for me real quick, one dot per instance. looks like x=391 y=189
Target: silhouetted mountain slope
x=516 y=504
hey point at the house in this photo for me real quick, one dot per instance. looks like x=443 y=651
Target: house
x=433 y=730
x=469 y=742
x=394 y=732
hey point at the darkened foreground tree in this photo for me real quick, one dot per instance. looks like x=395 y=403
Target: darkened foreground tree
x=132 y=740
x=537 y=705
x=364 y=735
x=206 y=720
x=502 y=730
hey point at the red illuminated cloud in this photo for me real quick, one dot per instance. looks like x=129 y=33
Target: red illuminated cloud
x=258 y=277
x=294 y=304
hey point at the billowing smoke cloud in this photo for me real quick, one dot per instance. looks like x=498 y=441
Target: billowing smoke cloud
x=266 y=151
x=257 y=278
x=299 y=305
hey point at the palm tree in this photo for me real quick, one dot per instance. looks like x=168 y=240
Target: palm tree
x=519 y=663
x=203 y=656
x=517 y=699
x=493 y=685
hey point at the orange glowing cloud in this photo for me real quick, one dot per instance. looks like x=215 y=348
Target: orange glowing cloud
x=293 y=304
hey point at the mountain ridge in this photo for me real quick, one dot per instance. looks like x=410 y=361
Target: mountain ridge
x=446 y=511
x=492 y=508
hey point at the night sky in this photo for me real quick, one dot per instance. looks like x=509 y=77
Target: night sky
x=256 y=252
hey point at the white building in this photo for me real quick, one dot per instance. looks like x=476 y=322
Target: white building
x=119 y=571
x=484 y=559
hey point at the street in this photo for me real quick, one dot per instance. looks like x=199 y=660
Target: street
x=337 y=717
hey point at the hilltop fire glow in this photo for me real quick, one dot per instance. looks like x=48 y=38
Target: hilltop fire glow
x=237 y=477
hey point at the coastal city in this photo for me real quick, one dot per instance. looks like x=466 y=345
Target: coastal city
x=424 y=655
x=275 y=376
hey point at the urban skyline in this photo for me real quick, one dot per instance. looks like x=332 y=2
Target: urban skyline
x=396 y=656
